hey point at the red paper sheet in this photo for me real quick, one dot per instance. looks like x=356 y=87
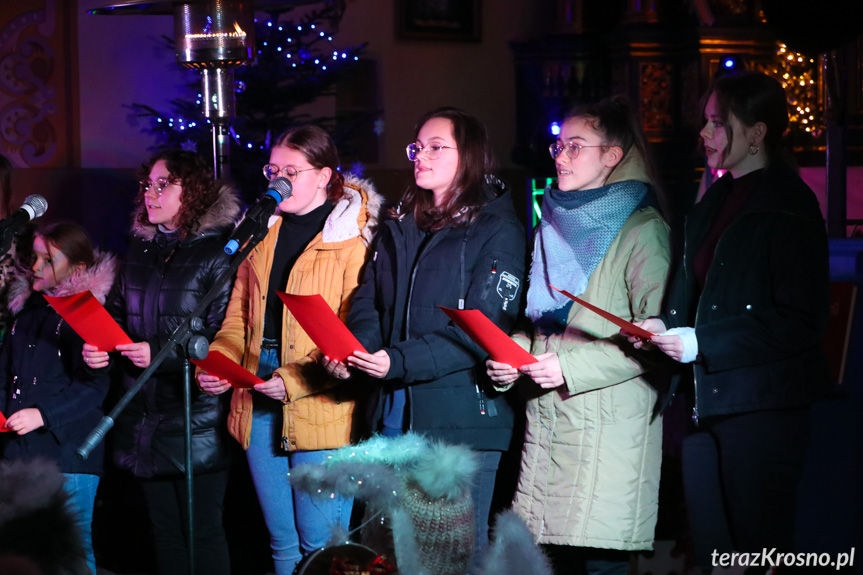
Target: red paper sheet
x=3 y=423
x=323 y=326
x=90 y=320
x=218 y=364
x=488 y=336
x=620 y=322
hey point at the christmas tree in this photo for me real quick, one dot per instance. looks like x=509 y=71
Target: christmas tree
x=297 y=62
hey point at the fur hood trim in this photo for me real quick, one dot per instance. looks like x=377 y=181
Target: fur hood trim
x=374 y=203
x=223 y=212
x=341 y=224
x=97 y=278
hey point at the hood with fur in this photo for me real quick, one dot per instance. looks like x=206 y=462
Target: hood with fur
x=341 y=224
x=98 y=278
x=223 y=212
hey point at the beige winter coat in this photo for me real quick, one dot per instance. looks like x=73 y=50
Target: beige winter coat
x=591 y=457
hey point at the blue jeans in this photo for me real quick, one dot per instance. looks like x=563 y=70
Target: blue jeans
x=81 y=488
x=298 y=523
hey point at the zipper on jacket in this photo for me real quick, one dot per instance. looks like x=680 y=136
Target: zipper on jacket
x=490 y=281
x=695 y=322
x=408 y=396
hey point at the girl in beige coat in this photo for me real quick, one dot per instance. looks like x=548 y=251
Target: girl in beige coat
x=589 y=480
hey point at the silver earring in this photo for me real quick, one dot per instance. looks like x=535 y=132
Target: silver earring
x=753 y=150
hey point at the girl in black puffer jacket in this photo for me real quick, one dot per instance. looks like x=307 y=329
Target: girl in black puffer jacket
x=176 y=255
x=50 y=399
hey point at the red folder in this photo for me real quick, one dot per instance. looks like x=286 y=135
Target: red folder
x=488 y=336
x=3 y=423
x=620 y=322
x=218 y=364
x=90 y=320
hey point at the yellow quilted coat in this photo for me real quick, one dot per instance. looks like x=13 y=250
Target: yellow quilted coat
x=318 y=410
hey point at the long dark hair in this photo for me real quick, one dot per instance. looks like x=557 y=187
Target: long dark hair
x=320 y=150
x=466 y=194
x=195 y=175
x=752 y=97
x=72 y=240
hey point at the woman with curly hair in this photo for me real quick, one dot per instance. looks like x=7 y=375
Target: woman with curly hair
x=182 y=222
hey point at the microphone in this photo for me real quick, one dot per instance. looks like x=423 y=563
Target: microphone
x=278 y=191
x=34 y=207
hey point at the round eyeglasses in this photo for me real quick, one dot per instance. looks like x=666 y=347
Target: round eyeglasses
x=570 y=148
x=158 y=186
x=432 y=151
x=272 y=171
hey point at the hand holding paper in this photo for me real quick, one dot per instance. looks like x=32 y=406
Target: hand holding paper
x=620 y=322
x=83 y=312
x=488 y=336
x=216 y=363
x=322 y=325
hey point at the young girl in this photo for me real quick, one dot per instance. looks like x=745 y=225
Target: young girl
x=454 y=240
x=748 y=309
x=49 y=397
x=316 y=244
x=589 y=480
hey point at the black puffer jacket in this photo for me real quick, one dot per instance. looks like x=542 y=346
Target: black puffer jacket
x=41 y=366
x=396 y=308
x=761 y=317
x=161 y=282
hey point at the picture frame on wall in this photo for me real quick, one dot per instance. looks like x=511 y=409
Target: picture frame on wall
x=444 y=20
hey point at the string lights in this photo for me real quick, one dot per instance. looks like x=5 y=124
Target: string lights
x=799 y=75
x=297 y=61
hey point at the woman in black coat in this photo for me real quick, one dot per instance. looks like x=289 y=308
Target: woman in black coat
x=747 y=310
x=176 y=254
x=453 y=241
x=49 y=397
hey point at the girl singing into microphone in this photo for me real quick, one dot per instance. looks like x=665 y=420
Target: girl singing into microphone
x=316 y=245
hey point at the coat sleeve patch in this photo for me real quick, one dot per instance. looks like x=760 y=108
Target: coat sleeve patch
x=507 y=288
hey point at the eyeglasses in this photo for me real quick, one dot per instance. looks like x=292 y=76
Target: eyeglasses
x=432 y=151
x=570 y=148
x=272 y=171
x=158 y=186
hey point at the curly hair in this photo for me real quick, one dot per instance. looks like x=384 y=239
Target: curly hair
x=199 y=189
x=320 y=150
x=466 y=195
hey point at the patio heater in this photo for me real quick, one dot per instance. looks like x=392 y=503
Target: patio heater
x=215 y=37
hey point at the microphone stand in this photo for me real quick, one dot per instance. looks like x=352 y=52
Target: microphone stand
x=194 y=346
